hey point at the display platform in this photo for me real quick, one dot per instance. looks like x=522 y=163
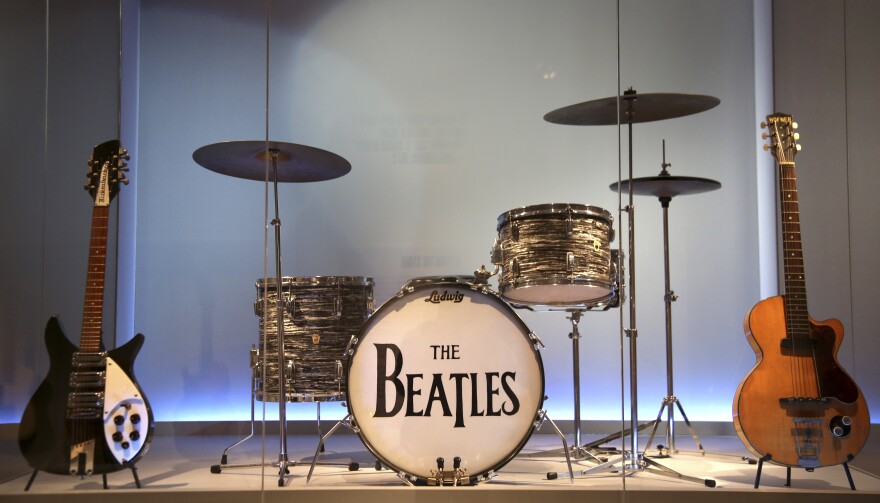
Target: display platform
x=177 y=469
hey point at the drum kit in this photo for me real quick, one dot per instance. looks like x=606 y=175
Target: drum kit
x=449 y=356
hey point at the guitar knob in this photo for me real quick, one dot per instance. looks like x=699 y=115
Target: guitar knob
x=135 y=435
x=840 y=426
x=118 y=420
x=135 y=418
x=117 y=436
x=125 y=445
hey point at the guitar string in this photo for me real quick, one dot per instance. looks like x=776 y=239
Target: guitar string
x=794 y=363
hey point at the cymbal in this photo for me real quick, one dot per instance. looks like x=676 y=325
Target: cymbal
x=645 y=107
x=247 y=159
x=667 y=186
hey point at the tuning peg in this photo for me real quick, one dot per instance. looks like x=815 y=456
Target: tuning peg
x=88 y=187
x=794 y=125
x=763 y=125
x=764 y=136
x=123 y=153
x=797 y=136
x=766 y=147
x=797 y=147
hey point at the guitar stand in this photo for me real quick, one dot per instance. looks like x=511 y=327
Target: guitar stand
x=768 y=457
x=137 y=480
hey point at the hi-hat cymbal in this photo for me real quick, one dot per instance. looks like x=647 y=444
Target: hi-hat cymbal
x=247 y=159
x=644 y=107
x=667 y=186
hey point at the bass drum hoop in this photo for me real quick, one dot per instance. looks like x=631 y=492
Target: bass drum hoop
x=425 y=283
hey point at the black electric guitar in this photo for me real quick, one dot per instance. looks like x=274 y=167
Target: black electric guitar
x=89 y=415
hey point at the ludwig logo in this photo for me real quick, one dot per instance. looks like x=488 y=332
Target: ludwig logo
x=436 y=297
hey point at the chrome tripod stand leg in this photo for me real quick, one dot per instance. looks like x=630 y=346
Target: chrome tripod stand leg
x=651 y=466
x=542 y=416
x=346 y=421
x=690 y=428
x=225 y=458
x=669 y=448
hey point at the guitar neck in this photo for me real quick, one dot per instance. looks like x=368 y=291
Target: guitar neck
x=793 y=257
x=93 y=307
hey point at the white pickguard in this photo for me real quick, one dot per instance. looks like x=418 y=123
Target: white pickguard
x=122 y=399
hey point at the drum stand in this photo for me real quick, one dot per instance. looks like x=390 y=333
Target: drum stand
x=224 y=458
x=578 y=451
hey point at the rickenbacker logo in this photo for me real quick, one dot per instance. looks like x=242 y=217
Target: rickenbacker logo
x=437 y=297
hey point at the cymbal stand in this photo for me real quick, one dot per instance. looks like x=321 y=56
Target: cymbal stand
x=669 y=297
x=634 y=460
x=283 y=463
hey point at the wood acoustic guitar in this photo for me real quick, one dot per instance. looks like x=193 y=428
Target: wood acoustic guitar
x=89 y=415
x=797 y=407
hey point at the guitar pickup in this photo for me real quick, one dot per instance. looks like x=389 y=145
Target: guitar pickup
x=803 y=343
x=800 y=405
x=88 y=379
x=84 y=404
x=81 y=360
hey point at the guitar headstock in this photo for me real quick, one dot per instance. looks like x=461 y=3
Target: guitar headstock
x=783 y=139
x=107 y=169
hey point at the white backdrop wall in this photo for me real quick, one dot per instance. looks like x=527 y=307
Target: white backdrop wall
x=438 y=106
x=837 y=168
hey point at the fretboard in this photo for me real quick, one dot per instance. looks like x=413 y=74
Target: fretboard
x=797 y=322
x=93 y=307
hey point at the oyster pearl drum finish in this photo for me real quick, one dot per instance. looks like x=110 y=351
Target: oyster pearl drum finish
x=321 y=314
x=445 y=370
x=555 y=255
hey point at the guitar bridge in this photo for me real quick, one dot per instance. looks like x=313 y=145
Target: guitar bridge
x=808 y=436
x=82 y=458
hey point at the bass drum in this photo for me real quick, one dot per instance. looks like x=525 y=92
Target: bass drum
x=445 y=370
